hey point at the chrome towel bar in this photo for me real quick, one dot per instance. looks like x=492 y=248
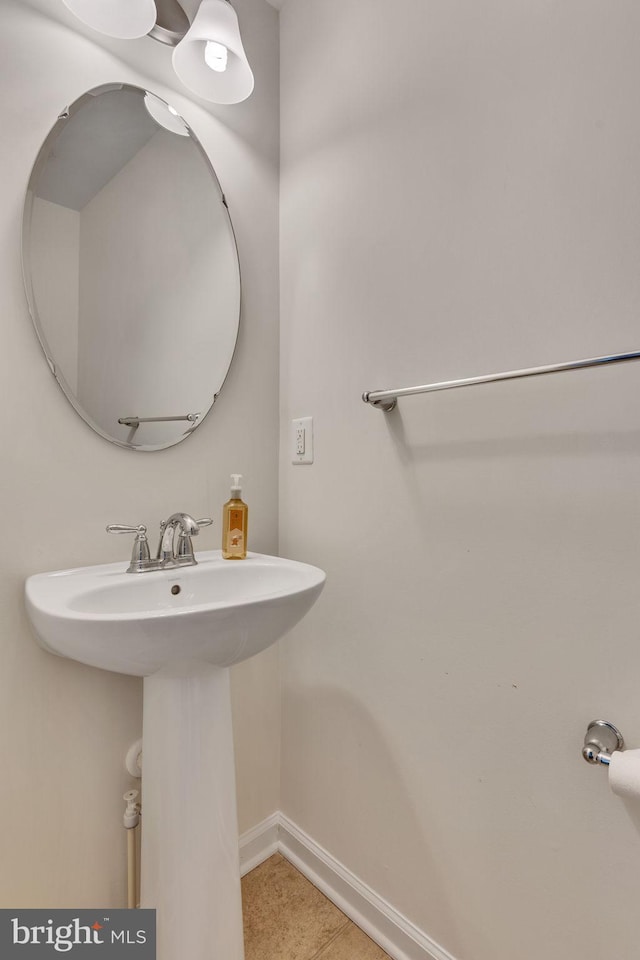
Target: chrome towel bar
x=386 y=399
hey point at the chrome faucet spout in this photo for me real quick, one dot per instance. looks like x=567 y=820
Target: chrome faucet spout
x=188 y=527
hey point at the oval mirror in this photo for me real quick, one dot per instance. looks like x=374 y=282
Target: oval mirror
x=131 y=267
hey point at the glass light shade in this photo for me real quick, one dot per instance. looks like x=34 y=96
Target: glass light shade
x=124 y=19
x=215 y=20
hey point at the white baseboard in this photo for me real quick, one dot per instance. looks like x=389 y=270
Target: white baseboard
x=259 y=843
x=397 y=936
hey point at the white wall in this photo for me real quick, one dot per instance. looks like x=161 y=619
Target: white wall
x=64 y=728
x=460 y=195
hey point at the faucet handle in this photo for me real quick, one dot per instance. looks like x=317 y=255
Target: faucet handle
x=140 y=529
x=185 y=547
x=205 y=522
x=140 y=555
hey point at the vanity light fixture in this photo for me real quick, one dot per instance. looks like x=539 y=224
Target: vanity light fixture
x=208 y=58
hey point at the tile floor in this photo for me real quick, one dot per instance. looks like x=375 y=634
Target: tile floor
x=287 y=918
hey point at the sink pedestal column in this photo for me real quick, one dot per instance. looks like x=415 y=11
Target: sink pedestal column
x=190 y=858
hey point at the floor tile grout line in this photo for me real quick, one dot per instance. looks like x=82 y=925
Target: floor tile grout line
x=324 y=948
x=327 y=943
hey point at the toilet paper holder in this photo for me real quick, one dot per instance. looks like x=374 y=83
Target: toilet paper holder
x=600 y=741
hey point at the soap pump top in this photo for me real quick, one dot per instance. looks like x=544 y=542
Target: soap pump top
x=235 y=516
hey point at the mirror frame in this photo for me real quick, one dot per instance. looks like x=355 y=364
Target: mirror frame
x=66 y=114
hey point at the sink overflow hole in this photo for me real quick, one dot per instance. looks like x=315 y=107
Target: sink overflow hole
x=175 y=589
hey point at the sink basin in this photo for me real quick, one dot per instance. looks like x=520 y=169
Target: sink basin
x=218 y=612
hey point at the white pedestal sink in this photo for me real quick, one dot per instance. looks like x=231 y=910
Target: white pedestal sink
x=180 y=629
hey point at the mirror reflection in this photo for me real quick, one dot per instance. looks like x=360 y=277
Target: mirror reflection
x=131 y=267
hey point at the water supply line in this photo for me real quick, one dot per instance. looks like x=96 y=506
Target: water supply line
x=131 y=820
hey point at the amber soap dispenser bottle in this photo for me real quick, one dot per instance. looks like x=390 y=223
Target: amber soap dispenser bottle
x=235 y=515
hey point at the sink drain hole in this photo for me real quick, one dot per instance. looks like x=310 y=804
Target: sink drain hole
x=175 y=589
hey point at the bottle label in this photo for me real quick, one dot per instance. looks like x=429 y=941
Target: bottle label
x=236 y=533
x=235 y=520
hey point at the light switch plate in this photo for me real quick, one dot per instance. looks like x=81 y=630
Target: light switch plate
x=302 y=440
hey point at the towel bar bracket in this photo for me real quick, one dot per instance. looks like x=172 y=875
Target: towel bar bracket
x=601 y=740
x=387 y=405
